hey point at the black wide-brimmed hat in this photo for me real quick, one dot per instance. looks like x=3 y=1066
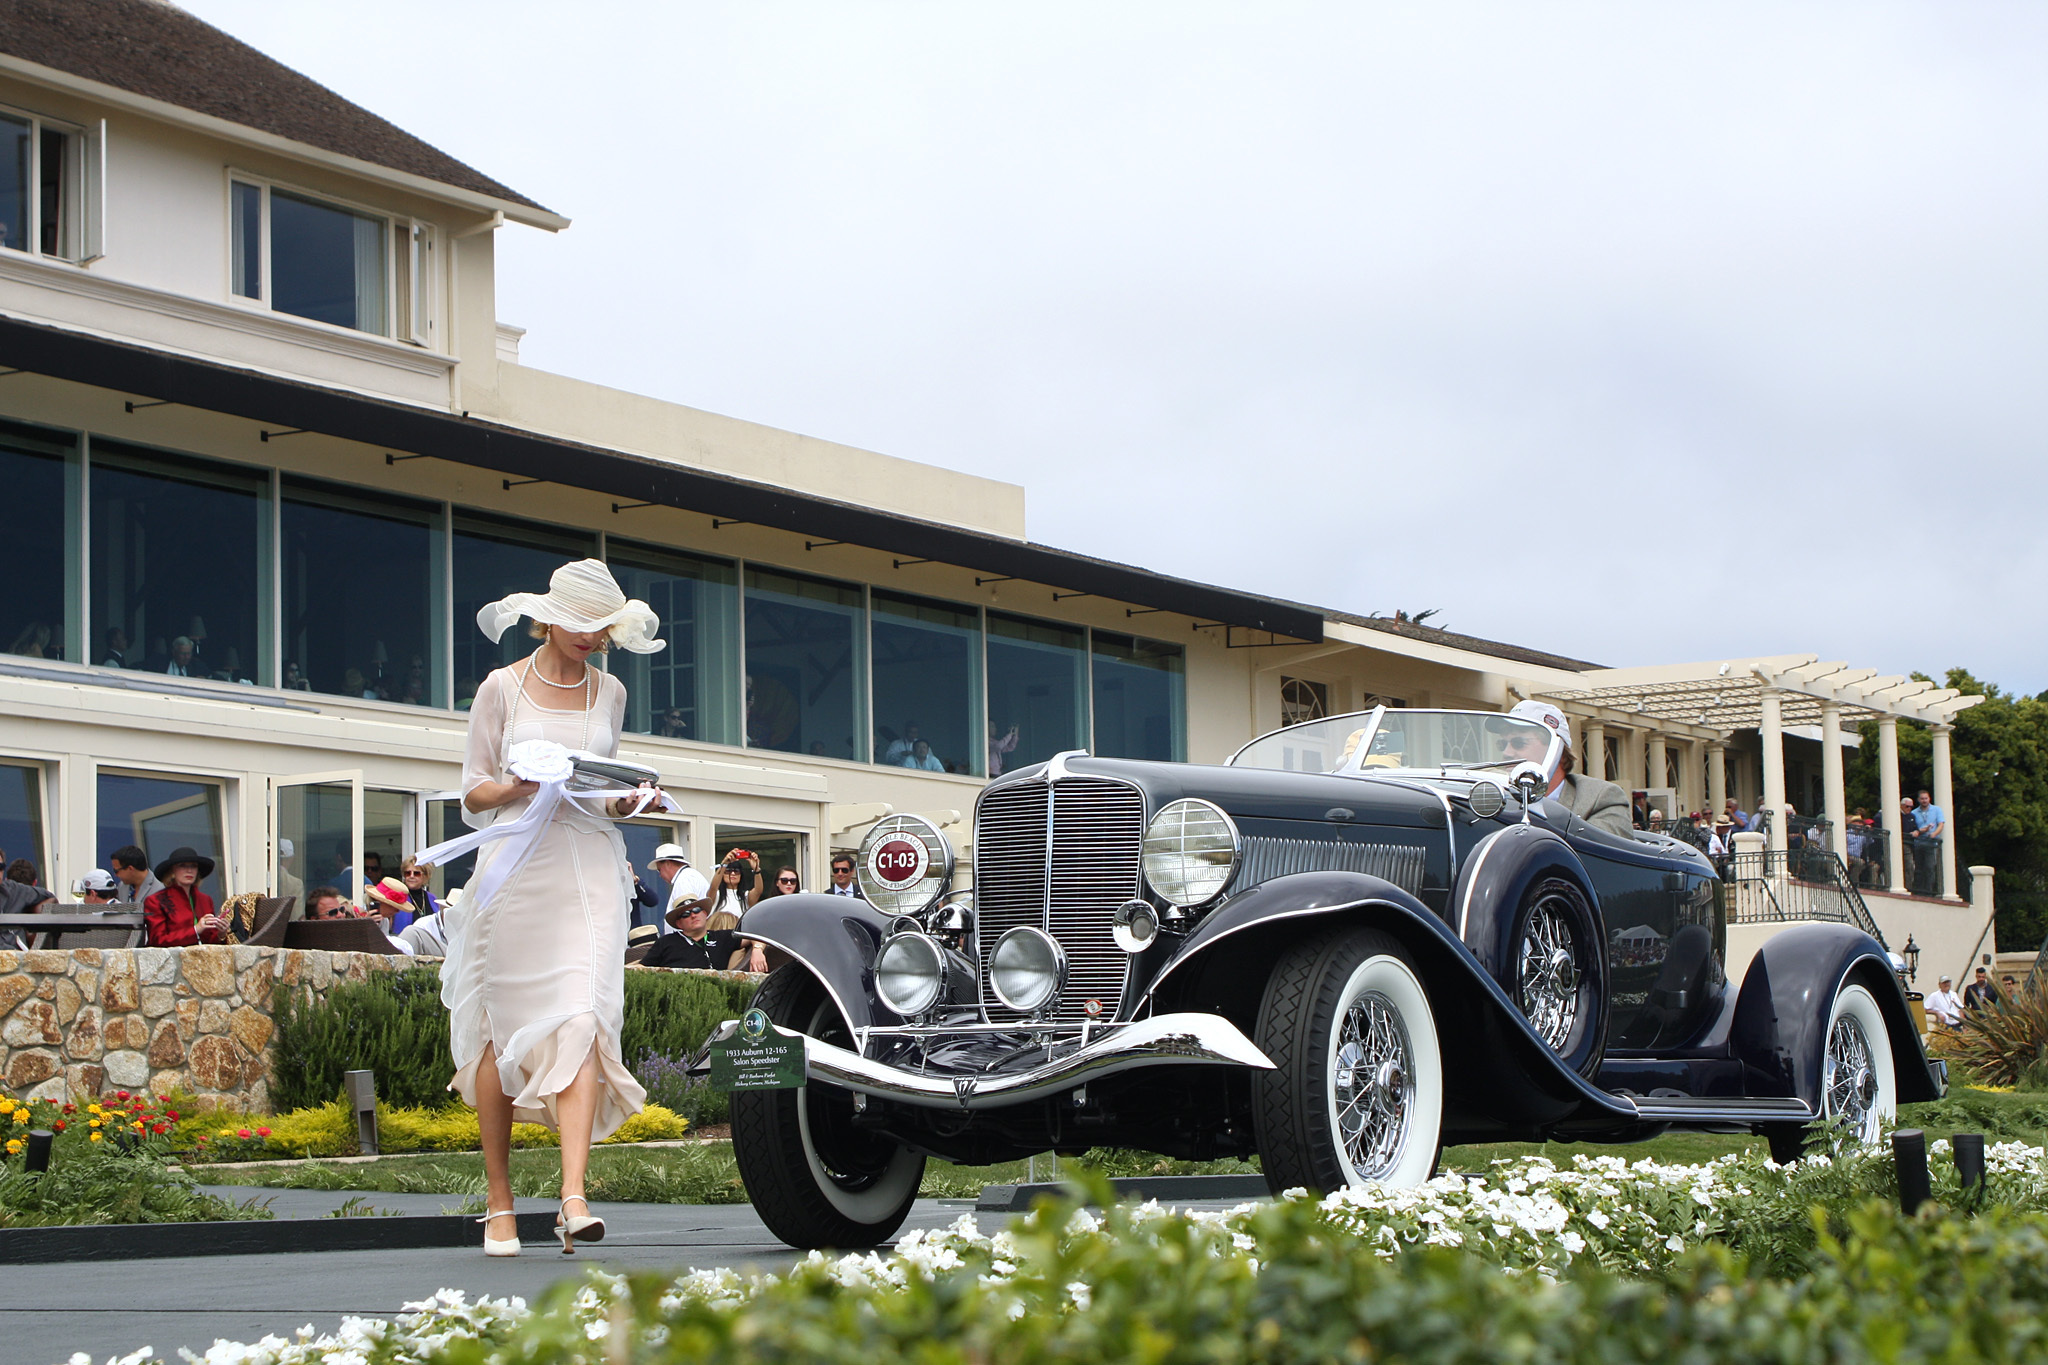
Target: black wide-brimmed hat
x=184 y=853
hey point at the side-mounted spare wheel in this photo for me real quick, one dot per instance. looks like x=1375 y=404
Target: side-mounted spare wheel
x=1357 y=1089
x=815 y=1179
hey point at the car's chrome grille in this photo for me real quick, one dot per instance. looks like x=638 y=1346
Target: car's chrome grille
x=1062 y=859
x=1266 y=858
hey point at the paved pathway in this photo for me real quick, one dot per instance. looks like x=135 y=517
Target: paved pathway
x=113 y=1307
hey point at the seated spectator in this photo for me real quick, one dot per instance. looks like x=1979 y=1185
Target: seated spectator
x=388 y=900
x=900 y=747
x=414 y=873
x=33 y=642
x=23 y=871
x=921 y=756
x=96 y=887
x=131 y=869
x=674 y=725
x=182 y=663
x=117 y=648
x=1945 y=1005
x=19 y=897
x=694 y=946
x=181 y=915
x=327 y=903
x=999 y=744
x=640 y=941
x=295 y=680
x=425 y=937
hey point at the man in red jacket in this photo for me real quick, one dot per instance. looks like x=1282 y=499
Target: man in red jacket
x=181 y=915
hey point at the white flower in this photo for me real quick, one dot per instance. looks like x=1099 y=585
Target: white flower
x=539 y=760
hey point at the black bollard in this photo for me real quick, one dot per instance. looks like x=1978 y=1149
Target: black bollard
x=362 y=1098
x=1969 y=1153
x=1909 y=1149
x=37 y=1157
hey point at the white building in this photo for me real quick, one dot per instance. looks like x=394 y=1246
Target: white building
x=271 y=446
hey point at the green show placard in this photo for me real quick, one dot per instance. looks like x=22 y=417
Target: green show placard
x=759 y=1056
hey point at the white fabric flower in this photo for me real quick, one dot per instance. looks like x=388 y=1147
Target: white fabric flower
x=539 y=760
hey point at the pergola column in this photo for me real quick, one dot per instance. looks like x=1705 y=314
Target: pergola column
x=1888 y=796
x=1944 y=796
x=1831 y=779
x=1594 y=735
x=1771 y=730
x=1655 y=761
x=1717 y=777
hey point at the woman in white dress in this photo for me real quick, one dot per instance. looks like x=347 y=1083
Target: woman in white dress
x=536 y=985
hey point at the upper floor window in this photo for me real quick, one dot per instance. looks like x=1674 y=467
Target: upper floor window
x=42 y=187
x=329 y=262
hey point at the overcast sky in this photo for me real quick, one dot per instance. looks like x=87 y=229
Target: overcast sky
x=1640 y=333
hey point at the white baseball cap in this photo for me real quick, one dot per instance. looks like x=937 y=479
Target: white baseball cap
x=98 y=879
x=285 y=848
x=1543 y=713
x=670 y=853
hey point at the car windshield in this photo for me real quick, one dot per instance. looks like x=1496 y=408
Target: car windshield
x=1405 y=741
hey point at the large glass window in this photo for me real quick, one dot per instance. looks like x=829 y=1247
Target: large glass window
x=445 y=822
x=180 y=550
x=495 y=556
x=161 y=815
x=689 y=690
x=805 y=646
x=927 y=684
x=33 y=467
x=21 y=816
x=17 y=161
x=362 y=590
x=39 y=187
x=1037 y=691
x=1139 y=698
x=324 y=261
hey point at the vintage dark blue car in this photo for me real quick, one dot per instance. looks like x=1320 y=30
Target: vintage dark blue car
x=1360 y=940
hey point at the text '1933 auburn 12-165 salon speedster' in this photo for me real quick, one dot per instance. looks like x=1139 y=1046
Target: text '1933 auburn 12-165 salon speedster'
x=1361 y=939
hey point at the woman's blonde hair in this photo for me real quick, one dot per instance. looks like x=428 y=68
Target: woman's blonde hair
x=410 y=863
x=539 y=631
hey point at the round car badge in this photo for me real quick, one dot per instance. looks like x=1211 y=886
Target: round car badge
x=754 y=1025
x=899 y=862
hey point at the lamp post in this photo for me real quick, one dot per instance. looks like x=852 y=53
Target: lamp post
x=1911 y=952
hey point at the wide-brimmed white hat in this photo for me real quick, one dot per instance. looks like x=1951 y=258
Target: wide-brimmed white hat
x=581 y=596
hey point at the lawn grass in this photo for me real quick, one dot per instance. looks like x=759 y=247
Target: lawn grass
x=707 y=1173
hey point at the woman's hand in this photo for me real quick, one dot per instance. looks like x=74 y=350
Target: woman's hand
x=208 y=924
x=493 y=795
x=623 y=806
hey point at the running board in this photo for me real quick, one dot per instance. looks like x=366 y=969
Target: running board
x=1687 y=1109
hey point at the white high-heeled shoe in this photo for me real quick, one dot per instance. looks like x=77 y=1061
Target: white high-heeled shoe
x=589 y=1228
x=493 y=1246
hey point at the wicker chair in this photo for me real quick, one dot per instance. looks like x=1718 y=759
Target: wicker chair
x=339 y=936
x=273 y=914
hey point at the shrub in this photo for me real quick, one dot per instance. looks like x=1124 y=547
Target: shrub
x=2001 y=1044
x=394 y=1025
x=330 y=1130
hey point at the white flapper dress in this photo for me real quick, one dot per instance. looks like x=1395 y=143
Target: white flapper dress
x=541 y=974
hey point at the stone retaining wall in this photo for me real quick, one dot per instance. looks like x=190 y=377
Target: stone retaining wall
x=86 y=1020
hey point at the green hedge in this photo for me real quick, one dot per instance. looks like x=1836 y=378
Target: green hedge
x=393 y=1024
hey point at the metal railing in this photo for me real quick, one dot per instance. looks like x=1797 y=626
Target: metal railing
x=1797 y=884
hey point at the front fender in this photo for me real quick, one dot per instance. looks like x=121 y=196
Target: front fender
x=835 y=938
x=1503 y=1081
x=1781 y=1015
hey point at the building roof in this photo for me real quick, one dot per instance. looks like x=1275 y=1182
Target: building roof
x=1450 y=639
x=154 y=49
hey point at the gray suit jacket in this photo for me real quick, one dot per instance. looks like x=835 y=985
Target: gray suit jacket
x=1600 y=804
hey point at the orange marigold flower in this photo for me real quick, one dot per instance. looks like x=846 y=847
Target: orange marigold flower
x=58 y=1125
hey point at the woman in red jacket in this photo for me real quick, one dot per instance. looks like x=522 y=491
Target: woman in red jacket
x=181 y=915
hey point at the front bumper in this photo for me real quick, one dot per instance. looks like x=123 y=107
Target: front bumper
x=1163 y=1040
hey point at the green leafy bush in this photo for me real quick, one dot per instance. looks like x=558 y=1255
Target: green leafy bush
x=394 y=1025
x=101 y=1183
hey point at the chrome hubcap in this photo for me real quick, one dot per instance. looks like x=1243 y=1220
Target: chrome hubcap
x=1375 y=1089
x=1547 y=975
x=1849 y=1081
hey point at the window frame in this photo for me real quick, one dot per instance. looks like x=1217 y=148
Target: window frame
x=87 y=209
x=411 y=249
x=228 y=789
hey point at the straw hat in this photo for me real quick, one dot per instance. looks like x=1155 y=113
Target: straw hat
x=391 y=891
x=581 y=596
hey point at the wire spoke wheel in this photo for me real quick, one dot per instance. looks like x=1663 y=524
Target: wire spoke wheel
x=1547 y=973
x=1374 y=1082
x=1849 y=1081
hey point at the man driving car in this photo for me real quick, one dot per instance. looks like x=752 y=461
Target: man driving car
x=1599 y=803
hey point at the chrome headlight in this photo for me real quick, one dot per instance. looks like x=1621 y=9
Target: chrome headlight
x=904 y=864
x=1134 y=926
x=1027 y=969
x=910 y=973
x=1190 y=852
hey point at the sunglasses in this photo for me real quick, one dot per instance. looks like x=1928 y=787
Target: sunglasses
x=785 y=881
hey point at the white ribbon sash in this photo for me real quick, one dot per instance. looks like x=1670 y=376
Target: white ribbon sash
x=550 y=771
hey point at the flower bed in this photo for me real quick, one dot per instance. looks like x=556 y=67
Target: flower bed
x=1608 y=1261
x=330 y=1130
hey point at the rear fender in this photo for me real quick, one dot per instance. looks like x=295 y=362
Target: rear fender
x=1781 y=1015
